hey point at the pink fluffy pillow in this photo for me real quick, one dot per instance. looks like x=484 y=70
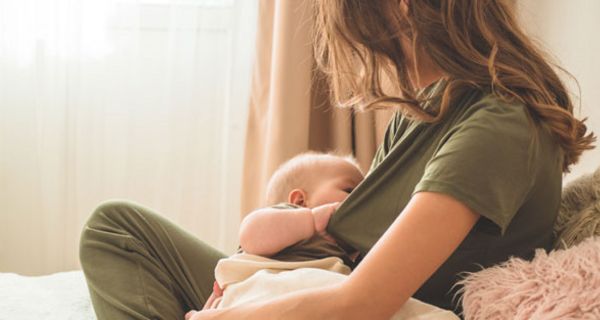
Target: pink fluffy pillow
x=564 y=284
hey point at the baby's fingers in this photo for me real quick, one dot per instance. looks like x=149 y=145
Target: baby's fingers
x=332 y=207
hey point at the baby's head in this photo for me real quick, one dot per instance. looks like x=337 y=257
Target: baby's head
x=312 y=179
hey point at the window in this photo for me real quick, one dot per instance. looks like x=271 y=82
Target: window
x=143 y=100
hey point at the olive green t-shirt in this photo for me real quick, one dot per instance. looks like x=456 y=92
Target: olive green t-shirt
x=483 y=155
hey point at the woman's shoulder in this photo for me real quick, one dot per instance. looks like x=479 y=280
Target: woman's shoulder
x=503 y=119
x=507 y=125
x=476 y=105
x=490 y=107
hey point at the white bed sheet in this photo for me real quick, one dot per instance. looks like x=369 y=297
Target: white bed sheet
x=56 y=296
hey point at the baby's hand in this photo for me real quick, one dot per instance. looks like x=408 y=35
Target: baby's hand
x=322 y=214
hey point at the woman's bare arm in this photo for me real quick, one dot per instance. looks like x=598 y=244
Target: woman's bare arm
x=427 y=232
x=429 y=229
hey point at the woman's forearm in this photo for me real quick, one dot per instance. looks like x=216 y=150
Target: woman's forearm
x=421 y=238
x=267 y=231
x=330 y=302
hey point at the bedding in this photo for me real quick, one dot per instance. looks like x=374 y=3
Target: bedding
x=59 y=296
x=64 y=295
x=250 y=278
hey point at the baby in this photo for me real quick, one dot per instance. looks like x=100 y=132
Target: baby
x=304 y=192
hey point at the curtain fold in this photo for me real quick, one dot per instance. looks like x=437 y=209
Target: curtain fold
x=289 y=111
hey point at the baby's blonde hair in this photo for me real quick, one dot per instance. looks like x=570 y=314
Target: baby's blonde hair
x=292 y=174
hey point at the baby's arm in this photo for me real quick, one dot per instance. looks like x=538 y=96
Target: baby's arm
x=267 y=231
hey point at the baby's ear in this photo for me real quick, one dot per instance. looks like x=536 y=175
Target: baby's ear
x=297 y=197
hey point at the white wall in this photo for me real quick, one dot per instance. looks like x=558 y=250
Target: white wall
x=570 y=31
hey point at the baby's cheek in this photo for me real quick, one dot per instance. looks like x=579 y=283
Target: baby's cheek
x=341 y=197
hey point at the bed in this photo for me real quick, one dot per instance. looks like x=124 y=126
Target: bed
x=58 y=296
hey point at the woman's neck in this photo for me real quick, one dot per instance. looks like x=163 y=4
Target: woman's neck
x=424 y=71
x=425 y=80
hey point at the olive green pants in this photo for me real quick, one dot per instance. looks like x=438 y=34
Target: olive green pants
x=139 y=265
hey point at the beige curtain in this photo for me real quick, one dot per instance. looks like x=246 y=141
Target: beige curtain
x=290 y=111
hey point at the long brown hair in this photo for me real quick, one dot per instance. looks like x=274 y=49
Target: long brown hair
x=475 y=43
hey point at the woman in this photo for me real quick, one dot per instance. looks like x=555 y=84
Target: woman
x=469 y=173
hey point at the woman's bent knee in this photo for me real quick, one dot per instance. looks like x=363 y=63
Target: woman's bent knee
x=113 y=211
x=109 y=216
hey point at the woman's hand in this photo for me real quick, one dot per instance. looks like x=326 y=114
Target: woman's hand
x=203 y=315
x=190 y=314
x=209 y=310
x=246 y=311
x=215 y=298
x=195 y=315
x=319 y=303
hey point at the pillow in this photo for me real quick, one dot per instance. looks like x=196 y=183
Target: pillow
x=564 y=284
x=579 y=214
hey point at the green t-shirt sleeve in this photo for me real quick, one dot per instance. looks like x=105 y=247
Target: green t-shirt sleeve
x=485 y=162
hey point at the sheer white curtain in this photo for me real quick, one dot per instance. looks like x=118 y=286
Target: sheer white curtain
x=143 y=100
